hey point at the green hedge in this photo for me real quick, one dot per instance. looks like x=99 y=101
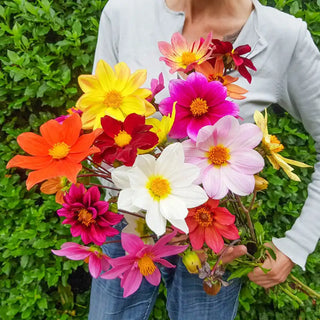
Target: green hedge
x=44 y=46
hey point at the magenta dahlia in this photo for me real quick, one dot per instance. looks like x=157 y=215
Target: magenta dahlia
x=89 y=217
x=199 y=103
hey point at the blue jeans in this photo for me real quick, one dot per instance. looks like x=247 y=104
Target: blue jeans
x=186 y=299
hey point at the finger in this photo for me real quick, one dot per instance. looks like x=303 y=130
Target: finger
x=234 y=253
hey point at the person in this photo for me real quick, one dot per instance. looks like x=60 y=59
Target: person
x=288 y=65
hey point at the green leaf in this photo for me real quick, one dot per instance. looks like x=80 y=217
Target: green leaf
x=242 y=271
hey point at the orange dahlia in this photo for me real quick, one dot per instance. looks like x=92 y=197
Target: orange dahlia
x=57 y=152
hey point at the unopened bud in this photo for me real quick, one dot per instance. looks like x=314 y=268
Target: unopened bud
x=260 y=183
x=192 y=262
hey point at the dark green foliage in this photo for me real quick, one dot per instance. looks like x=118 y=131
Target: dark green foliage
x=44 y=46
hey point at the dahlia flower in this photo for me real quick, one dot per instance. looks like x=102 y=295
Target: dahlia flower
x=96 y=259
x=141 y=262
x=199 y=103
x=216 y=73
x=181 y=55
x=88 y=216
x=272 y=146
x=232 y=57
x=164 y=187
x=115 y=93
x=58 y=152
x=156 y=86
x=121 y=140
x=224 y=153
x=162 y=127
x=208 y=223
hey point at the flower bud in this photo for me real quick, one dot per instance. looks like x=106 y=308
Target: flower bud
x=260 y=183
x=192 y=262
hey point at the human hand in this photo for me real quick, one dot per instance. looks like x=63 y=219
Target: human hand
x=232 y=253
x=279 y=269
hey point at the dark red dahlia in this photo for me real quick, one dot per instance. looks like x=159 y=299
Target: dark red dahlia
x=121 y=140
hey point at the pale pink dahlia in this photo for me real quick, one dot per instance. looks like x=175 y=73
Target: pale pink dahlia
x=224 y=153
x=199 y=103
x=88 y=216
x=141 y=261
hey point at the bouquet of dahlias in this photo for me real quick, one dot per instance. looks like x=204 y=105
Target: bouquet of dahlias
x=202 y=182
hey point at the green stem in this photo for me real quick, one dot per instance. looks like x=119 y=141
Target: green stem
x=304 y=287
x=291 y=295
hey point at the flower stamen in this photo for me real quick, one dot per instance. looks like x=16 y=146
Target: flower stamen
x=146 y=266
x=198 y=107
x=122 y=139
x=85 y=217
x=204 y=217
x=113 y=99
x=59 y=150
x=188 y=58
x=159 y=187
x=218 y=155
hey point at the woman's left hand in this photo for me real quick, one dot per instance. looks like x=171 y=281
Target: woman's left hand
x=279 y=269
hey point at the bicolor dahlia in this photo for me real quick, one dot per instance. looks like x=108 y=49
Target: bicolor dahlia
x=164 y=187
x=88 y=216
x=183 y=56
x=121 y=140
x=209 y=223
x=232 y=57
x=272 y=146
x=115 y=93
x=224 y=153
x=141 y=262
x=57 y=152
x=216 y=73
x=199 y=103
x=96 y=259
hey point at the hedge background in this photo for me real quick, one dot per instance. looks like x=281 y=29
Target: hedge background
x=44 y=46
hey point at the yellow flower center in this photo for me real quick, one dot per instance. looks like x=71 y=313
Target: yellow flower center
x=274 y=140
x=187 y=58
x=218 y=155
x=198 y=107
x=146 y=266
x=159 y=187
x=85 y=217
x=59 y=151
x=122 y=138
x=113 y=99
x=204 y=217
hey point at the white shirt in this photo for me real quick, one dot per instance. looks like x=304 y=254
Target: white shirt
x=288 y=69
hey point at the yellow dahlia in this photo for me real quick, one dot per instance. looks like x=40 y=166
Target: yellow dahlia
x=115 y=93
x=272 y=146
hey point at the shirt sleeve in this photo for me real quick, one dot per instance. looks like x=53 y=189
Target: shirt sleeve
x=107 y=44
x=300 y=96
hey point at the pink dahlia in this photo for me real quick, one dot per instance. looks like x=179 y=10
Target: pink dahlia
x=199 y=103
x=88 y=216
x=97 y=260
x=209 y=223
x=141 y=261
x=224 y=153
x=121 y=140
x=157 y=85
x=183 y=56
